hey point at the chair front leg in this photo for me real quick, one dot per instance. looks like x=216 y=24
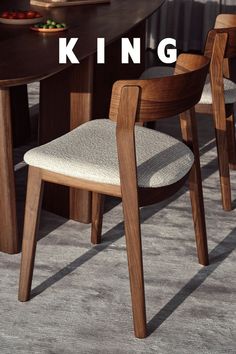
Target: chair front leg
x=135 y=263
x=129 y=192
x=32 y=212
x=97 y=217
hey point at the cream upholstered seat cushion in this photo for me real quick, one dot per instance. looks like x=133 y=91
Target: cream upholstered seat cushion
x=89 y=152
x=157 y=71
x=229 y=90
x=229 y=86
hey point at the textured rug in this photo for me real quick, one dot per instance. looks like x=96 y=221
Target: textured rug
x=81 y=299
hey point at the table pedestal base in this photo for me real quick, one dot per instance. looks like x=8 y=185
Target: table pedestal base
x=9 y=241
x=73 y=97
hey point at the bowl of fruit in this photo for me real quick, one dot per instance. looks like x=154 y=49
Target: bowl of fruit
x=20 y=17
x=49 y=26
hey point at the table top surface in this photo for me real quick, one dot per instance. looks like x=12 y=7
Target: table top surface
x=27 y=56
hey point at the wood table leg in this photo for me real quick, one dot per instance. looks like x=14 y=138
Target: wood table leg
x=8 y=222
x=90 y=91
x=54 y=122
x=81 y=105
x=66 y=103
x=20 y=116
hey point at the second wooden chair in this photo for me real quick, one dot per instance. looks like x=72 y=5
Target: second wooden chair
x=218 y=97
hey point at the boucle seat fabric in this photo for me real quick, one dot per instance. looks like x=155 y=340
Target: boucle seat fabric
x=229 y=86
x=229 y=91
x=89 y=152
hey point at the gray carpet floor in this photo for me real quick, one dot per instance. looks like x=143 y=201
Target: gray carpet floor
x=81 y=299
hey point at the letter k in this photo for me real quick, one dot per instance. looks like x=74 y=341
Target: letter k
x=66 y=51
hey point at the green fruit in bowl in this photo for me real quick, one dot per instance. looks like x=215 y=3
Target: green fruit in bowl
x=50 y=24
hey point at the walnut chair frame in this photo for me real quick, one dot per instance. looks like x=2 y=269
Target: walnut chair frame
x=221 y=48
x=132 y=102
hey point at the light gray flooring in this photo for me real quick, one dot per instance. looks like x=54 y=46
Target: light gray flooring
x=81 y=300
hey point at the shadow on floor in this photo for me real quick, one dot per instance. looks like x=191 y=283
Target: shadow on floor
x=113 y=235
x=217 y=256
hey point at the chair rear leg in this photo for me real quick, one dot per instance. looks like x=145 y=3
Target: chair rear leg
x=198 y=212
x=190 y=137
x=230 y=122
x=223 y=161
x=32 y=212
x=135 y=265
x=97 y=217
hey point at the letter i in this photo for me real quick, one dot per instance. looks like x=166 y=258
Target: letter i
x=101 y=50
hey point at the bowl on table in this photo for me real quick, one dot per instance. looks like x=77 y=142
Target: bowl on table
x=20 y=17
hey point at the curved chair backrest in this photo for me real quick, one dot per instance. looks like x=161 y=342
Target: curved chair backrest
x=161 y=97
x=225 y=21
x=228 y=40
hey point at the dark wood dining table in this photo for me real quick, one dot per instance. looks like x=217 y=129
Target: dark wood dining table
x=69 y=94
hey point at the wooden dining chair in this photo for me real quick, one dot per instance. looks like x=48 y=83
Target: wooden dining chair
x=117 y=157
x=218 y=97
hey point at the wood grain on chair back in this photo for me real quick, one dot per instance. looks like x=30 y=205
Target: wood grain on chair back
x=167 y=96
